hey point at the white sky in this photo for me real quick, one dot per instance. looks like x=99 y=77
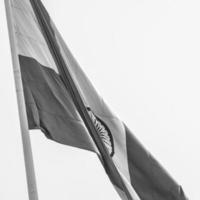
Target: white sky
x=143 y=58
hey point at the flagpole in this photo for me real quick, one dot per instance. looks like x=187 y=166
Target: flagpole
x=28 y=158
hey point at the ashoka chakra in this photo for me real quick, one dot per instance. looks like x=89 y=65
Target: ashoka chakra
x=103 y=131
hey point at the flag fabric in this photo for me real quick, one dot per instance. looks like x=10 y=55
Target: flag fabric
x=61 y=101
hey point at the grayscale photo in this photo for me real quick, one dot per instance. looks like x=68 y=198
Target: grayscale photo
x=100 y=100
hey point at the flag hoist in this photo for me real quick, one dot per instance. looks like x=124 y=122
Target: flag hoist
x=55 y=96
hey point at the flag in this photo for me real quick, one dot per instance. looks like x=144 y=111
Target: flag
x=63 y=104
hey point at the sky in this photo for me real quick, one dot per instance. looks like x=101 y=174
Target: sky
x=143 y=58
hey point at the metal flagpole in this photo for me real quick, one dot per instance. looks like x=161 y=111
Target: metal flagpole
x=28 y=158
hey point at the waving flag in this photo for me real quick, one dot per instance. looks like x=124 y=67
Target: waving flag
x=61 y=101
